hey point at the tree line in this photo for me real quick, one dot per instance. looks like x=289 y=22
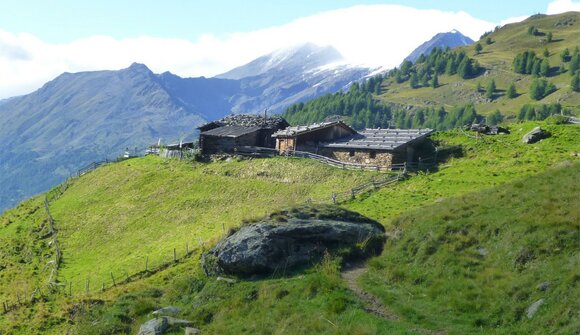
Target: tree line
x=358 y=108
x=426 y=69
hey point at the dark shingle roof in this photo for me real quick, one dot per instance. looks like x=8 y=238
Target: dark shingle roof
x=231 y=131
x=380 y=139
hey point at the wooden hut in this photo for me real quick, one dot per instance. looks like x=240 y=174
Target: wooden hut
x=225 y=135
x=308 y=138
x=380 y=147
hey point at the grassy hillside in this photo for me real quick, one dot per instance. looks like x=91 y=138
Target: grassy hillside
x=25 y=251
x=476 y=263
x=497 y=59
x=146 y=207
x=112 y=218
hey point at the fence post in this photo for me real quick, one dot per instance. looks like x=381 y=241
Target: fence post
x=333 y=197
x=87 y=286
x=186 y=248
x=70 y=289
x=5 y=307
x=113 y=279
x=352 y=192
x=147 y=264
x=174 y=255
x=103 y=287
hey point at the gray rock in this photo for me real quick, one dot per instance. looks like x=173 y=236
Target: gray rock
x=535 y=135
x=167 y=310
x=543 y=286
x=531 y=311
x=268 y=246
x=482 y=251
x=159 y=325
x=227 y=280
x=192 y=331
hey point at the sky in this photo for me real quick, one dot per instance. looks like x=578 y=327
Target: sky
x=41 y=39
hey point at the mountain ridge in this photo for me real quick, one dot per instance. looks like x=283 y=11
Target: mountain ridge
x=77 y=118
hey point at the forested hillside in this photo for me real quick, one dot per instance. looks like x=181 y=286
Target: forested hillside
x=522 y=71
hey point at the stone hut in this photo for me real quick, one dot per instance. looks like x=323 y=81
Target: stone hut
x=309 y=138
x=225 y=135
x=380 y=147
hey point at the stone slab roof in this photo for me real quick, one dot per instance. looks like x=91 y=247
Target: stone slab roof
x=247 y=120
x=380 y=139
x=298 y=130
x=230 y=131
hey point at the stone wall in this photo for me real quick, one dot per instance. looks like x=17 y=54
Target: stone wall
x=383 y=159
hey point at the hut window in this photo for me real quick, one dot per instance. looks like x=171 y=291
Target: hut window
x=372 y=154
x=351 y=153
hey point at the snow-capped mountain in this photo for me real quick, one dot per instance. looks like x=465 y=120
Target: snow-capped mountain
x=287 y=76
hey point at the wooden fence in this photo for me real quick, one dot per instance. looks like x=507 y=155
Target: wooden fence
x=421 y=164
x=91 y=285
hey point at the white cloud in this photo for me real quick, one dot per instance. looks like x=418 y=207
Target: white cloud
x=377 y=35
x=513 y=19
x=561 y=6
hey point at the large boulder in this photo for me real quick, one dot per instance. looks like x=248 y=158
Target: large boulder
x=292 y=238
x=535 y=135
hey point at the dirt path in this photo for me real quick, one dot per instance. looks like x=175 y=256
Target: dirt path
x=350 y=275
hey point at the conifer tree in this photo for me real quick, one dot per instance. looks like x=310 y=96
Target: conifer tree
x=575 y=83
x=495 y=118
x=478 y=48
x=511 y=91
x=414 y=81
x=435 y=81
x=490 y=89
x=465 y=68
x=545 y=67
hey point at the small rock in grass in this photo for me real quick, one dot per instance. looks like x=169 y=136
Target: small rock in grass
x=533 y=309
x=167 y=310
x=192 y=331
x=543 y=286
x=227 y=280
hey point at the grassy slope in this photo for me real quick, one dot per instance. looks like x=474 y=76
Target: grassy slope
x=146 y=204
x=497 y=59
x=24 y=253
x=116 y=216
x=473 y=264
x=488 y=164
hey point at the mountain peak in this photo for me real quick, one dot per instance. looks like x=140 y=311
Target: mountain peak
x=302 y=57
x=452 y=39
x=138 y=67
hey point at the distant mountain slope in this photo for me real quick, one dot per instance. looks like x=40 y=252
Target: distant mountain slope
x=450 y=39
x=496 y=59
x=81 y=117
x=78 y=118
